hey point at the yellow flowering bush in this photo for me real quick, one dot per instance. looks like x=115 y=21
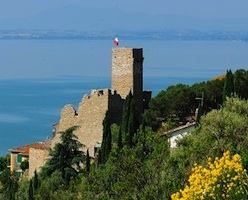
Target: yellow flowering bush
x=222 y=178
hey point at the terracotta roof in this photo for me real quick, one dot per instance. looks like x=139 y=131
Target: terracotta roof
x=220 y=77
x=24 y=150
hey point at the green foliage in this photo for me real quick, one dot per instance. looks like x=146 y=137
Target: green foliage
x=9 y=182
x=199 y=114
x=65 y=157
x=126 y=112
x=87 y=167
x=24 y=165
x=120 y=143
x=241 y=83
x=36 y=181
x=51 y=185
x=229 y=85
x=139 y=163
x=130 y=173
x=31 y=190
x=23 y=189
x=4 y=162
x=178 y=102
x=219 y=131
x=130 y=121
x=106 y=139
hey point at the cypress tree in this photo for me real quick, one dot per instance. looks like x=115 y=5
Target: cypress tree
x=241 y=83
x=228 y=85
x=107 y=139
x=31 y=191
x=99 y=156
x=87 y=162
x=199 y=114
x=133 y=123
x=126 y=112
x=120 y=144
x=130 y=122
x=36 y=182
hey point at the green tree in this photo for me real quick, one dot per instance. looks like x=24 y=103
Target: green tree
x=24 y=165
x=4 y=162
x=87 y=162
x=229 y=85
x=219 y=131
x=126 y=112
x=22 y=192
x=241 y=83
x=31 y=191
x=120 y=143
x=107 y=139
x=199 y=114
x=130 y=121
x=9 y=181
x=66 y=156
x=130 y=173
x=36 y=182
x=175 y=103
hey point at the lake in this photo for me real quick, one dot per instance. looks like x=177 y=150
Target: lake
x=38 y=77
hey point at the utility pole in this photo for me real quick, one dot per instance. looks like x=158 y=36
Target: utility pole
x=201 y=98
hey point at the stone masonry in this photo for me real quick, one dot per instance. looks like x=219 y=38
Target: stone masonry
x=127 y=75
x=127 y=67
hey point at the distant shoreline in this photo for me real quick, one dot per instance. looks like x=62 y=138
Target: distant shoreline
x=168 y=34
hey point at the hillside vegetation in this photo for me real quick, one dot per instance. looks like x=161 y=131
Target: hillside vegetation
x=135 y=161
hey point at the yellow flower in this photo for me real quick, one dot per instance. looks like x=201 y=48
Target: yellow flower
x=225 y=174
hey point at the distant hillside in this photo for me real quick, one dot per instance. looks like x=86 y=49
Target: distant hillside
x=166 y=34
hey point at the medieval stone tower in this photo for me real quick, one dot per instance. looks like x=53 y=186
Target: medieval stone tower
x=127 y=66
x=127 y=73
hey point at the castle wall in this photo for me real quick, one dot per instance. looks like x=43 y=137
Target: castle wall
x=127 y=66
x=37 y=158
x=91 y=112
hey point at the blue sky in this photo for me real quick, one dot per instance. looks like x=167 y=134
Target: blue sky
x=74 y=14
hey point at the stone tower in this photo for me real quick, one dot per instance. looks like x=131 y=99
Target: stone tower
x=127 y=73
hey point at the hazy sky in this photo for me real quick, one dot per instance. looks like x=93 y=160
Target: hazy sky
x=200 y=8
x=42 y=58
x=47 y=13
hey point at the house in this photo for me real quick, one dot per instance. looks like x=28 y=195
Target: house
x=178 y=133
x=37 y=151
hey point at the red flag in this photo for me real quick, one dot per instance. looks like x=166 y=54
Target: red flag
x=116 y=41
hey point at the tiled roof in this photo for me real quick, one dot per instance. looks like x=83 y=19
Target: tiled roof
x=24 y=150
x=179 y=128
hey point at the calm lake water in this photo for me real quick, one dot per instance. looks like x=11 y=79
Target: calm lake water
x=38 y=77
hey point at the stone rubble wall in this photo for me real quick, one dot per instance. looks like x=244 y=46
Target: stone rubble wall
x=89 y=118
x=37 y=158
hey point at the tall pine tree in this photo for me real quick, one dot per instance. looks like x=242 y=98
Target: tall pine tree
x=130 y=122
x=241 y=83
x=31 y=191
x=120 y=143
x=87 y=162
x=107 y=139
x=228 y=85
x=36 y=183
x=65 y=156
x=126 y=112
